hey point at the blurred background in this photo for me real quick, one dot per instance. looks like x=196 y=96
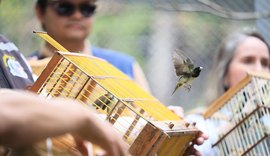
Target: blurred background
x=150 y=30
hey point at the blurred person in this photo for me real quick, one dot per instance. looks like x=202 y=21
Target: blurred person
x=29 y=118
x=14 y=69
x=239 y=53
x=70 y=22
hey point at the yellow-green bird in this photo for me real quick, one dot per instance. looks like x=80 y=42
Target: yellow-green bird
x=185 y=70
x=105 y=101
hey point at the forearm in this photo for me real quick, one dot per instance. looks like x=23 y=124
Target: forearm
x=29 y=118
x=26 y=118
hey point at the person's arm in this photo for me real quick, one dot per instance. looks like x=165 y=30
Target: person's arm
x=26 y=118
x=139 y=77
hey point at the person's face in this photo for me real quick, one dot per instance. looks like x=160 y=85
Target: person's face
x=75 y=27
x=251 y=55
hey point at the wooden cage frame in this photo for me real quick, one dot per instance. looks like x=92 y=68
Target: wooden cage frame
x=245 y=109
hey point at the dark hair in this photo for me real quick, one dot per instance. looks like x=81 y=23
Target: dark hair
x=42 y=5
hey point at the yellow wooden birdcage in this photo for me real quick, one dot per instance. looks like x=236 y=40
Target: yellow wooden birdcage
x=245 y=122
x=147 y=126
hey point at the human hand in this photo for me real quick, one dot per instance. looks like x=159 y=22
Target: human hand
x=179 y=111
x=82 y=148
x=201 y=137
x=81 y=145
x=107 y=138
x=199 y=140
x=115 y=146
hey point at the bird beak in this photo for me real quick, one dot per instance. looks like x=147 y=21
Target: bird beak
x=201 y=68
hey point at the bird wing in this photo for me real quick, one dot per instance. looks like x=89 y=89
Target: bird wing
x=190 y=64
x=182 y=64
x=104 y=101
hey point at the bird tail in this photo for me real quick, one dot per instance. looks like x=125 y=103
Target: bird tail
x=176 y=87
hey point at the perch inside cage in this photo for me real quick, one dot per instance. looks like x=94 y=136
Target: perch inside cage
x=246 y=117
x=147 y=126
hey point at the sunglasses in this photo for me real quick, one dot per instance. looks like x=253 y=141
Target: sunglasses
x=67 y=8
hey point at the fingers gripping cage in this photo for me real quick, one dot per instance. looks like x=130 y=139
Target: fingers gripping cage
x=146 y=125
x=243 y=117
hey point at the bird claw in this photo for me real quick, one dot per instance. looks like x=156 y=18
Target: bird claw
x=187 y=87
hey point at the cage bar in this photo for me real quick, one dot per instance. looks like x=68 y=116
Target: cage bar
x=147 y=126
x=246 y=108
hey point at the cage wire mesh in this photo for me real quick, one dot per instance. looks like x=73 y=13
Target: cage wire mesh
x=241 y=116
x=118 y=100
x=150 y=30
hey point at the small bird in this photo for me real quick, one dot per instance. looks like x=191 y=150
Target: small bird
x=105 y=101
x=185 y=69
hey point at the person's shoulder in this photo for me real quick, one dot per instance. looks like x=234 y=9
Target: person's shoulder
x=3 y=38
x=6 y=44
x=111 y=54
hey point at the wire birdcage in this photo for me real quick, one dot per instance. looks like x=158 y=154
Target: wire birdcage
x=147 y=126
x=246 y=117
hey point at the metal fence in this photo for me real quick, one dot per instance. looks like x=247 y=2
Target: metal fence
x=150 y=30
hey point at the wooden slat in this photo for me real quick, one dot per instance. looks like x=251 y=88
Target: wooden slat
x=133 y=124
x=50 y=40
x=231 y=92
x=145 y=140
x=225 y=97
x=86 y=90
x=112 y=118
x=179 y=134
x=52 y=65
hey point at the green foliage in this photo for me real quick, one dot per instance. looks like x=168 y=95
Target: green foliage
x=18 y=22
x=124 y=30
